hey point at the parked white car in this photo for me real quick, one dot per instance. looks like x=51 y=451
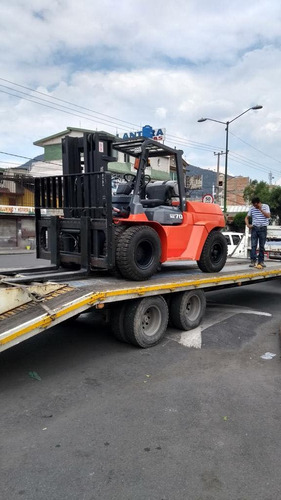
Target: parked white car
x=235 y=244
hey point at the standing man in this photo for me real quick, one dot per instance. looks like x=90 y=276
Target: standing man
x=260 y=214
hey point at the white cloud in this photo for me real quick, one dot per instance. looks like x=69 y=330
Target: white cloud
x=163 y=63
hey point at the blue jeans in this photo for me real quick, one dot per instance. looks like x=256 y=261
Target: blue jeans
x=258 y=235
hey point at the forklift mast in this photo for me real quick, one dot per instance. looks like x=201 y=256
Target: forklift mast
x=90 y=153
x=73 y=211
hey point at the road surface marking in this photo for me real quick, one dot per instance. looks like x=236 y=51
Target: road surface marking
x=215 y=313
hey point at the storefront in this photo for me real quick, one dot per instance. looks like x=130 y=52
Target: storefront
x=17 y=227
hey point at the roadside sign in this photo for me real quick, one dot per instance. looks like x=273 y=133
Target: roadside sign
x=207 y=198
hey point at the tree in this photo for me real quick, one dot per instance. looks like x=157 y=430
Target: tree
x=275 y=202
x=271 y=196
x=260 y=189
x=238 y=223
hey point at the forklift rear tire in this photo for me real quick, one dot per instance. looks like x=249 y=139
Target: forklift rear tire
x=187 y=309
x=146 y=321
x=214 y=253
x=138 y=253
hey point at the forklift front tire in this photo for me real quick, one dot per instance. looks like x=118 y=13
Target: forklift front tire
x=214 y=253
x=138 y=253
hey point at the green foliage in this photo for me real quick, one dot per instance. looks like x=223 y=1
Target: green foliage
x=249 y=191
x=238 y=223
x=271 y=196
x=275 y=202
x=260 y=189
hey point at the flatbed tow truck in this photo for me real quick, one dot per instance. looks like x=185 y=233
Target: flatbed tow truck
x=106 y=250
x=138 y=311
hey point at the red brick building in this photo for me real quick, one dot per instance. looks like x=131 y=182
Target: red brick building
x=235 y=190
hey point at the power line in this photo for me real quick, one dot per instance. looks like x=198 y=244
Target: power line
x=181 y=141
x=27 y=158
x=66 y=102
x=83 y=115
x=253 y=147
x=117 y=122
x=65 y=109
x=236 y=157
x=242 y=160
x=189 y=143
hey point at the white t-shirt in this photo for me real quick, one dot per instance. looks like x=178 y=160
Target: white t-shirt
x=258 y=219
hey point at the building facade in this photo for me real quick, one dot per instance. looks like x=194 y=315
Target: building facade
x=17 y=185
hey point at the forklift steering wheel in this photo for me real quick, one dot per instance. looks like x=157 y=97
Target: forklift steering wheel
x=129 y=177
x=147 y=179
x=144 y=181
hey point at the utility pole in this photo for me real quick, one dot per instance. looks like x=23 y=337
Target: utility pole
x=270 y=176
x=218 y=175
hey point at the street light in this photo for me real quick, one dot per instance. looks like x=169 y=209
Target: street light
x=226 y=144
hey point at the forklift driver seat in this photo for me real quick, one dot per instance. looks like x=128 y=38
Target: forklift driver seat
x=158 y=194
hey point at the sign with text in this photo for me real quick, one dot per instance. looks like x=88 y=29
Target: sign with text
x=15 y=210
x=207 y=198
x=157 y=134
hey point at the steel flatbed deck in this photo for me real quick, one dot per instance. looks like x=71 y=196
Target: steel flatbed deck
x=34 y=307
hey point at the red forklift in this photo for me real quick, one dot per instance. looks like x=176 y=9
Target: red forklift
x=82 y=226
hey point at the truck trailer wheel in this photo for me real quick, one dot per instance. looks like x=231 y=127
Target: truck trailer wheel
x=138 y=252
x=117 y=322
x=146 y=321
x=187 y=309
x=214 y=253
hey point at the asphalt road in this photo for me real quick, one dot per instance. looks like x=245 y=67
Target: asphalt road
x=85 y=417
x=18 y=259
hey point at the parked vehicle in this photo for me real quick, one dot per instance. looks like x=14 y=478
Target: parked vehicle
x=234 y=245
x=239 y=244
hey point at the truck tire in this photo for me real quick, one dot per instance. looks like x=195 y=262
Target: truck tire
x=187 y=309
x=138 y=253
x=214 y=253
x=117 y=322
x=146 y=321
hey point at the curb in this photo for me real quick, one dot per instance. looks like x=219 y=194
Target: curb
x=14 y=251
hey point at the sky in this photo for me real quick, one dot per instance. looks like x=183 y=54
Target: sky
x=117 y=66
